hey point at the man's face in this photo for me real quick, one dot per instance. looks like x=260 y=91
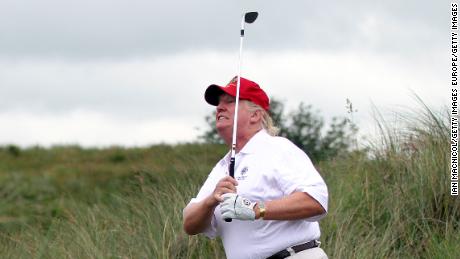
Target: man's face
x=225 y=113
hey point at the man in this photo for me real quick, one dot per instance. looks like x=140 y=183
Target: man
x=276 y=197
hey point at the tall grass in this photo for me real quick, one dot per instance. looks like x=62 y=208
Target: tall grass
x=102 y=207
x=67 y=202
x=395 y=202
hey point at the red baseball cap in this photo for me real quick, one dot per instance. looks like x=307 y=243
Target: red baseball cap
x=249 y=90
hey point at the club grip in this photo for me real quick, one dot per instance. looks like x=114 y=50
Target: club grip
x=231 y=167
x=231 y=170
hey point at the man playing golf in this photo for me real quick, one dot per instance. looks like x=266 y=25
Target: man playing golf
x=271 y=208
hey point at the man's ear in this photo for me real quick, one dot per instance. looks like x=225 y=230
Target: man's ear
x=256 y=116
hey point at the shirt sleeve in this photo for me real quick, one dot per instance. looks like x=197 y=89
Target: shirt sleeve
x=206 y=190
x=296 y=173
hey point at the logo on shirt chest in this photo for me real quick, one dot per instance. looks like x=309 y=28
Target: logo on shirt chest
x=243 y=174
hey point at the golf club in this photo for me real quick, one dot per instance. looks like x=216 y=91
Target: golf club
x=249 y=17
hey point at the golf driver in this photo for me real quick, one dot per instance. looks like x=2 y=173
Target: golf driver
x=249 y=17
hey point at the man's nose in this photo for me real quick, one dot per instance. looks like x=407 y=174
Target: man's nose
x=220 y=107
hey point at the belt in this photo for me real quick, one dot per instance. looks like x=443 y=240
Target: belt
x=294 y=249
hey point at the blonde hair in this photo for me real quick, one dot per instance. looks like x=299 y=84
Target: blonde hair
x=267 y=121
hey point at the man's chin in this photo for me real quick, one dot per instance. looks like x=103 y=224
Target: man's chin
x=225 y=132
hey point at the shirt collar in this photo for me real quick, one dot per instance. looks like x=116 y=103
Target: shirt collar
x=252 y=146
x=255 y=142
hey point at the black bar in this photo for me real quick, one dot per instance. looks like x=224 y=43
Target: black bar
x=231 y=167
x=231 y=170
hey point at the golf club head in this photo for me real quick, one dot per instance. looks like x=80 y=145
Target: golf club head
x=250 y=17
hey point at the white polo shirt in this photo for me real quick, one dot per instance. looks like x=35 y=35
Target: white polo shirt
x=267 y=168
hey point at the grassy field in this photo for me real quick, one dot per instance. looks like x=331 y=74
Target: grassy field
x=392 y=201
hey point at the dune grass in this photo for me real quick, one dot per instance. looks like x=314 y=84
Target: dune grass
x=392 y=201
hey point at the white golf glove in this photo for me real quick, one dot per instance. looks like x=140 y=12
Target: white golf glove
x=237 y=207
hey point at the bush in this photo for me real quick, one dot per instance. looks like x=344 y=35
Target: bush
x=13 y=150
x=304 y=128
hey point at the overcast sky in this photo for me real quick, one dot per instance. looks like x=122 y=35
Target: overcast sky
x=119 y=72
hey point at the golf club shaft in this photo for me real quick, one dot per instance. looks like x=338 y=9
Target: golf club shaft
x=247 y=18
x=231 y=167
x=237 y=102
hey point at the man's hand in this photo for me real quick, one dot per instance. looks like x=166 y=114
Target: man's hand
x=225 y=185
x=197 y=216
x=237 y=207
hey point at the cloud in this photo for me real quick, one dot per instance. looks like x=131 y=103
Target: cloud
x=90 y=129
x=121 y=29
x=134 y=88
x=134 y=65
x=136 y=101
